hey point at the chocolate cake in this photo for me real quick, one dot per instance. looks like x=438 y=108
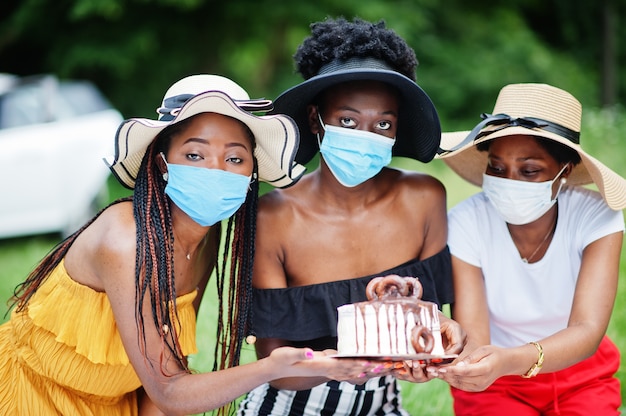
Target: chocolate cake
x=393 y=322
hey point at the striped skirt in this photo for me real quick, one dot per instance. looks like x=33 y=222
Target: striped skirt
x=377 y=396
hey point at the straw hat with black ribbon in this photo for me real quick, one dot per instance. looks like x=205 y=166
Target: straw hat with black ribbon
x=418 y=133
x=276 y=136
x=538 y=110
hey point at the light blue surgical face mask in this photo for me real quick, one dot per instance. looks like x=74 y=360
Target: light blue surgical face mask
x=206 y=195
x=521 y=202
x=354 y=156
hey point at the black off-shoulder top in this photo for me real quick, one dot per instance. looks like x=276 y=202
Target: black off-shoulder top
x=307 y=315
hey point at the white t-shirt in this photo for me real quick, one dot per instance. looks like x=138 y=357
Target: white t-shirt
x=529 y=301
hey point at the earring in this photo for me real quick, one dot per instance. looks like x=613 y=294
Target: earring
x=563 y=181
x=166 y=176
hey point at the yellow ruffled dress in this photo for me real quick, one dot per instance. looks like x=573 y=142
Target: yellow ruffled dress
x=64 y=355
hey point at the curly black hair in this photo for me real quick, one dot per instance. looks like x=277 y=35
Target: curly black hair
x=340 y=39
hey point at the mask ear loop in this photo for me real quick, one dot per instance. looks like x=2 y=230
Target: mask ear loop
x=166 y=175
x=562 y=181
x=322 y=125
x=253 y=179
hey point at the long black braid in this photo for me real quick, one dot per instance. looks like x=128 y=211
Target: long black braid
x=235 y=303
x=154 y=264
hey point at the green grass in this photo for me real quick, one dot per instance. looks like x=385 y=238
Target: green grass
x=604 y=137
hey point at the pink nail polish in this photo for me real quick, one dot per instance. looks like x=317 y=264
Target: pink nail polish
x=309 y=354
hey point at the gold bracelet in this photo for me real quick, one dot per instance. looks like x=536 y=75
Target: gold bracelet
x=537 y=366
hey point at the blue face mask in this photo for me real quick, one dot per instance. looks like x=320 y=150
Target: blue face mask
x=206 y=195
x=354 y=156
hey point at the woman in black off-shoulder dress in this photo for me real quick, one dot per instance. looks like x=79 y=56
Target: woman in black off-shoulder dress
x=320 y=241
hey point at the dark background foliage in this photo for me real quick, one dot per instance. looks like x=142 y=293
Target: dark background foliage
x=468 y=49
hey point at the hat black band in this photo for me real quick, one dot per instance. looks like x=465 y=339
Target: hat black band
x=503 y=121
x=172 y=105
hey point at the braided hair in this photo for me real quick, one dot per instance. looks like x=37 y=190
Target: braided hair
x=154 y=264
x=339 y=39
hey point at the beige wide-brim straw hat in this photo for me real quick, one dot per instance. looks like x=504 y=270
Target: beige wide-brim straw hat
x=276 y=136
x=538 y=110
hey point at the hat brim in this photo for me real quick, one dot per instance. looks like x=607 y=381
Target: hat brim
x=419 y=131
x=276 y=136
x=470 y=163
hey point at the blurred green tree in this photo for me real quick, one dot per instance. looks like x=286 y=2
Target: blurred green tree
x=468 y=49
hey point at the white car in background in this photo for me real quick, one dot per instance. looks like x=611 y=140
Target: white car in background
x=53 y=136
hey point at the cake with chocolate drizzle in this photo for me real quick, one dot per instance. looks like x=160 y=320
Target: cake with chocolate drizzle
x=393 y=322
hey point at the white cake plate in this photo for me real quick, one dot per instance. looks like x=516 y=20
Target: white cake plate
x=426 y=358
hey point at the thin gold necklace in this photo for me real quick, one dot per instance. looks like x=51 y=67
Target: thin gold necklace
x=188 y=253
x=550 y=231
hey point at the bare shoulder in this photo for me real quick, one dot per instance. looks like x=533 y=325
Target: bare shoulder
x=418 y=184
x=422 y=201
x=105 y=250
x=271 y=201
x=116 y=231
x=422 y=196
x=278 y=203
x=282 y=216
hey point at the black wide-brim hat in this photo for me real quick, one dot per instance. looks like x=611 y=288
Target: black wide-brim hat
x=419 y=131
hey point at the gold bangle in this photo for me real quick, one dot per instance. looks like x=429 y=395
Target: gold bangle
x=534 y=370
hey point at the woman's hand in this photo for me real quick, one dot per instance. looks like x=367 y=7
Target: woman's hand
x=476 y=371
x=413 y=371
x=453 y=336
x=304 y=362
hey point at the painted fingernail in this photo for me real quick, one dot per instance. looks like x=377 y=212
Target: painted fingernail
x=309 y=354
x=361 y=375
x=377 y=369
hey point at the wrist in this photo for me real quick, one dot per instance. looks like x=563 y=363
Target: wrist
x=536 y=367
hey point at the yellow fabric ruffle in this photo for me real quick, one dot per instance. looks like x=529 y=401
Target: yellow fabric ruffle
x=87 y=317
x=64 y=354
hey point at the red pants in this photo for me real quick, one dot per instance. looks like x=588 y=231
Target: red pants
x=586 y=388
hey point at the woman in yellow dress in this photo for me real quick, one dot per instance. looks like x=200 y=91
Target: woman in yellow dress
x=111 y=311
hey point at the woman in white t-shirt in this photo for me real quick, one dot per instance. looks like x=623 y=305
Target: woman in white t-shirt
x=535 y=262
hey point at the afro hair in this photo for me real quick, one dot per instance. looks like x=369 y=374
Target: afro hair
x=339 y=39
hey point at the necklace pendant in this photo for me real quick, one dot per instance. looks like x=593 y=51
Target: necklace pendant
x=188 y=256
x=525 y=260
